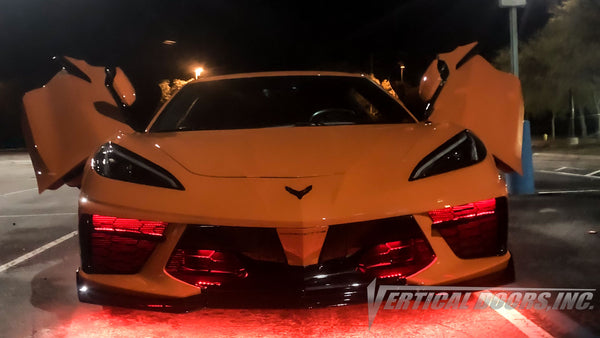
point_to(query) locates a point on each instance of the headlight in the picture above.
(460, 151)
(113, 161)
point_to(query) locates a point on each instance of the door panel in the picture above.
(63, 124)
(480, 98)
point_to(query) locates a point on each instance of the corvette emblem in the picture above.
(299, 193)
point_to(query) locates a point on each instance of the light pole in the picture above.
(198, 71)
(402, 72)
(517, 184)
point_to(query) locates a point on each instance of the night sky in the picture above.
(243, 36)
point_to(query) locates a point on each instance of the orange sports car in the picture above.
(269, 185)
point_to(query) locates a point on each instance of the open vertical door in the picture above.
(475, 95)
(68, 118)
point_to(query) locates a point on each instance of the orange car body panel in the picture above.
(481, 98)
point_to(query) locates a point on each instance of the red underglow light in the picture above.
(393, 275)
(205, 267)
(207, 254)
(206, 283)
(128, 225)
(398, 258)
(473, 230)
(159, 305)
(470, 210)
(386, 248)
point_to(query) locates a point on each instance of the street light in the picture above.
(516, 183)
(198, 71)
(514, 46)
(402, 72)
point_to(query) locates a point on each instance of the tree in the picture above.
(169, 87)
(563, 57)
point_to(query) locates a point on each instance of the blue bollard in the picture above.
(523, 185)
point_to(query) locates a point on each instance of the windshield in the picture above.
(279, 101)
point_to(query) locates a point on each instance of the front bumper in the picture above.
(274, 283)
(344, 293)
(321, 289)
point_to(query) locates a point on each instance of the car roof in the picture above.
(277, 74)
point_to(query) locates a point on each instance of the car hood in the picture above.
(290, 152)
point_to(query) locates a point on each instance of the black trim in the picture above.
(502, 214)
(110, 110)
(143, 176)
(348, 241)
(85, 242)
(444, 72)
(480, 149)
(474, 51)
(93, 293)
(261, 244)
(299, 193)
(492, 246)
(72, 69)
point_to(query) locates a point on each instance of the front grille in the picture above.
(260, 244)
(383, 248)
(117, 246)
(481, 234)
(118, 254)
(240, 258)
(214, 255)
(345, 240)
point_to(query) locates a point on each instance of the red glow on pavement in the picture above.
(347, 321)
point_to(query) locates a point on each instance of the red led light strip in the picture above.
(128, 225)
(393, 275)
(470, 210)
(206, 283)
(159, 305)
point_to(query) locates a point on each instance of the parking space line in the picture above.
(17, 192)
(593, 173)
(563, 168)
(38, 215)
(549, 192)
(20, 161)
(566, 174)
(525, 325)
(37, 251)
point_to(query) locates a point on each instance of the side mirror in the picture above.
(120, 86)
(124, 88)
(431, 82)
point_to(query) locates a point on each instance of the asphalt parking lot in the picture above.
(552, 237)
